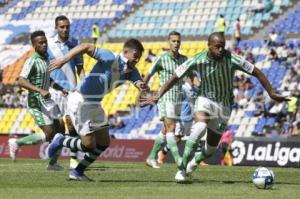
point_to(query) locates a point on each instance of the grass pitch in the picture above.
(29, 179)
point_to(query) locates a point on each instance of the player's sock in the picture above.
(157, 146)
(205, 153)
(198, 130)
(35, 138)
(165, 150)
(172, 144)
(73, 143)
(73, 152)
(53, 159)
(89, 158)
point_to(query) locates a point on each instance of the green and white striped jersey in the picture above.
(216, 75)
(166, 65)
(35, 70)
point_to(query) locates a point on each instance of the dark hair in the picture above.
(215, 34)
(36, 34)
(60, 18)
(174, 33)
(134, 44)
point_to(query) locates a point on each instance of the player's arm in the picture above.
(249, 68)
(25, 83)
(266, 84)
(180, 72)
(80, 49)
(137, 81)
(154, 68)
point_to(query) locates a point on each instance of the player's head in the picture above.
(174, 39)
(62, 27)
(133, 50)
(216, 45)
(39, 41)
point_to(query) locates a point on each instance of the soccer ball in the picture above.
(263, 178)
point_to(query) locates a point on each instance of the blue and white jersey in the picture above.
(109, 72)
(66, 75)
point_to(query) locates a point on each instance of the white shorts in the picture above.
(169, 110)
(218, 114)
(59, 99)
(86, 117)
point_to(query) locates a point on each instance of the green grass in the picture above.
(29, 179)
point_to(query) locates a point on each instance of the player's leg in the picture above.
(41, 120)
(73, 134)
(101, 142)
(58, 127)
(151, 160)
(160, 140)
(211, 145)
(198, 130)
(216, 126)
(179, 133)
(170, 125)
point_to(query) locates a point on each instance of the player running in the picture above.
(216, 67)
(84, 105)
(35, 78)
(60, 44)
(170, 104)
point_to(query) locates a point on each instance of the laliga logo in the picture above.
(238, 151)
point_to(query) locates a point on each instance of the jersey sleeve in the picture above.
(186, 67)
(27, 68)
(135, 76)
(103, 55)
(242, 64)
(156, 66)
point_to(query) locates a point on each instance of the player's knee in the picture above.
(170, 126)
(198, 130)
(89, 147)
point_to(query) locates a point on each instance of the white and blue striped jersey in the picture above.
(109, 72)
(66, 75)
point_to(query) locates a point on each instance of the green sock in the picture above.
(171, 143)
(54, 158)
(199, 157)
(190, 146)
(35, 138)
(157, 146)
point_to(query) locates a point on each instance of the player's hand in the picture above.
(45, 94)
(148, 98)
(57, 63)
(65, 93)
(279, 98)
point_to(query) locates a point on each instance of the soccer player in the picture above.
(60, 44)
(183, 127)
(170, 104)
(216, 67)
(35, 77)
(84, 104)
